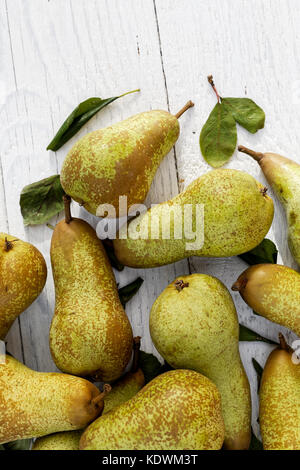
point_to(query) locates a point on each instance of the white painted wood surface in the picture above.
(54, 54)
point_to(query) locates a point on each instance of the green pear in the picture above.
(177, 410)
(34, 404)
(283, 175)
(194, 325)
(272, 291)
(23, 274)
(120, 160)
(90, 334)
(122, 390)
(279, 395)
(237, 216)
(59, 441)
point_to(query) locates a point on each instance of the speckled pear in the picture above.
(177, 410)
(90, 334)
(237, 216)
(122, 390)
(283, 175)
(280, 400)
(120, 160)
(194, 325)
(273, 291)
(34, 404)
(23, 274)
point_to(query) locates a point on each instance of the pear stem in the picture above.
(180, 284)
(102, 395)
(136, 353)
(256, 155)
(283, 344)
(211, 82)
(188, 105)
(67, 204)
(8, 245)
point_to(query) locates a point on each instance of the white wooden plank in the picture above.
(251, 49)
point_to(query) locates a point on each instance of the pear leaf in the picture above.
(259, 370)
(245, 112)
(265, 252)
(127, 292)
(218, 136)
(150, 366)
(22, 444)
(41, 200)
(249, 335)
(80, 116)
(255, 443)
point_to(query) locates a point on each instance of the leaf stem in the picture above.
(256, 155)
(211, 82)
(188, 105)
(129, 92)
(67, 204)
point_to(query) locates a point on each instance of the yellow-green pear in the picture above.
(194, 325)
(122, 390)
(179, 409)
(279, 395)
(90, 334)
(59, 441)
(272, 291)
(23, 274)
(34, 404)
(231, 215)
(120, 160)
(283, 175)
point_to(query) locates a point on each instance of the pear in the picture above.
(120, 160)
(280, 400)
(283, 175)
(59, 441)
(237, 216)
(177, 410)
(90, 334)
(23, 274)
(34, 404)
(194, 325)
(272, 291)
(122, 390)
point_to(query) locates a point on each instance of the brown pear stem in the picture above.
(67, 204)
(188, 105)
(180, 284)
(282, 343)
(102, 395)
(256, 155)
(136, 353)
(8, 245)
(211, 82)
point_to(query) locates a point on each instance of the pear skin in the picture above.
(59, 441)
(194, 325)
(34, 404)
(23, 274)
(273, 291)
(283, 175)
(120, 160)
(279, 395)
(177, 410)
(90, 334)
(237, 216)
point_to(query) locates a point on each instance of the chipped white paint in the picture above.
(56, 53)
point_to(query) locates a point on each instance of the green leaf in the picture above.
(150, 365)
(218, 136)
(41, 200)
(245, 112)
(127, 292)
(109, 248)
(249, 335)
(265, 252)
(259, 370)
(255, 443)
(22, 444)
(80, 116)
